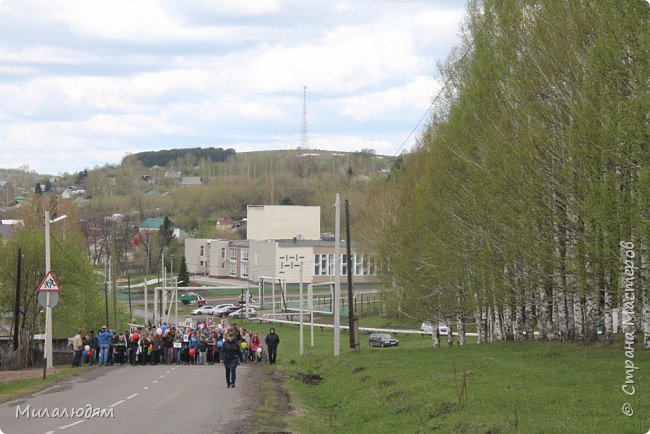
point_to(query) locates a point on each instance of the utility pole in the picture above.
(17, 303)
(106, 299)
(352, 319)
(128, 282)
(113, 286)
(337, 277)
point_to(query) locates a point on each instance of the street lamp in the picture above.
(47, 353)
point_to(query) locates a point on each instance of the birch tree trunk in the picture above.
(529, 320)
(484, 322)
(477, 320)
(507, 322)
(460, 323)
(646, 319)
(543, 317)
(643, 282)
(498, 328)
(559, 312)
(518, 323)
(490, 324)
(435, 337)
(607, 312)
(591, 318)
(560, 321)
(578, 315)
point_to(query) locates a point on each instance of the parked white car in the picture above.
(427, 327)
(245, 312)
(203, 310)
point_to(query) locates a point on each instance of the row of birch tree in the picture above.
(510, 212)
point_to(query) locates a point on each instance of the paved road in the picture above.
(147, 399)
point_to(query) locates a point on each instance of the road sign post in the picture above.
(49, 286)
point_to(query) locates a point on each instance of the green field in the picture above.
(524, 387)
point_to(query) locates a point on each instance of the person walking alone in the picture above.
(230, 357)
(272, 341)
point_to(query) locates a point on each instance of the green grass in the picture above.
(524, 387)
(20, 388)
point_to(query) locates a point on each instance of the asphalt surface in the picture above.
(138, 399)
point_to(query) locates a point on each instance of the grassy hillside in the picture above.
(526, 387)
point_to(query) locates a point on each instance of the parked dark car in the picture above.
(382, 340)
(224, 311)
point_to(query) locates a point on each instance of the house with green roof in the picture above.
(151, 224)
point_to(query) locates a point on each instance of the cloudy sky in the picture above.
(83, 83)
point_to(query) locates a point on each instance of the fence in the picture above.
(11, 360)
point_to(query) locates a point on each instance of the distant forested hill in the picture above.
(163, 157)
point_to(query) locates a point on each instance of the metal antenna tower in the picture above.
(305, 132)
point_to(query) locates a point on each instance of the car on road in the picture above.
(382, 340)
(223, 310)
(193, 298)
(427, 327)
(245, 312)
(203, 310)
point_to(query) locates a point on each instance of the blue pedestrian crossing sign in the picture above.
(49, 283)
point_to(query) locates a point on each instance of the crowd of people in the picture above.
(203, 343)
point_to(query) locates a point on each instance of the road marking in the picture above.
(168, 372)
(132, 396)
(155, 381)
(146, 387)
(162, 376)
(72, 424)
(115, 404)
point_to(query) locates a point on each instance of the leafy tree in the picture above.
(80, 299)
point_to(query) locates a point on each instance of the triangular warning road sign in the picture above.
(49, 283)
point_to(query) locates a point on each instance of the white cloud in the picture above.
(378, 104)
(100, 79)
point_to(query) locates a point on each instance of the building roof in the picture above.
(8, 230)
(225, 221)
(152, 192)
(308, 243)
(152, 223)
(191, 180)
(293, 243)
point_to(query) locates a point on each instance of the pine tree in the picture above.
(183, 274)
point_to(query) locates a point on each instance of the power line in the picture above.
(435, 100)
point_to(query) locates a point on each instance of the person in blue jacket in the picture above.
(104, 337)
(194, 343)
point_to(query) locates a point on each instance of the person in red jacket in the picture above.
(255, 344)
